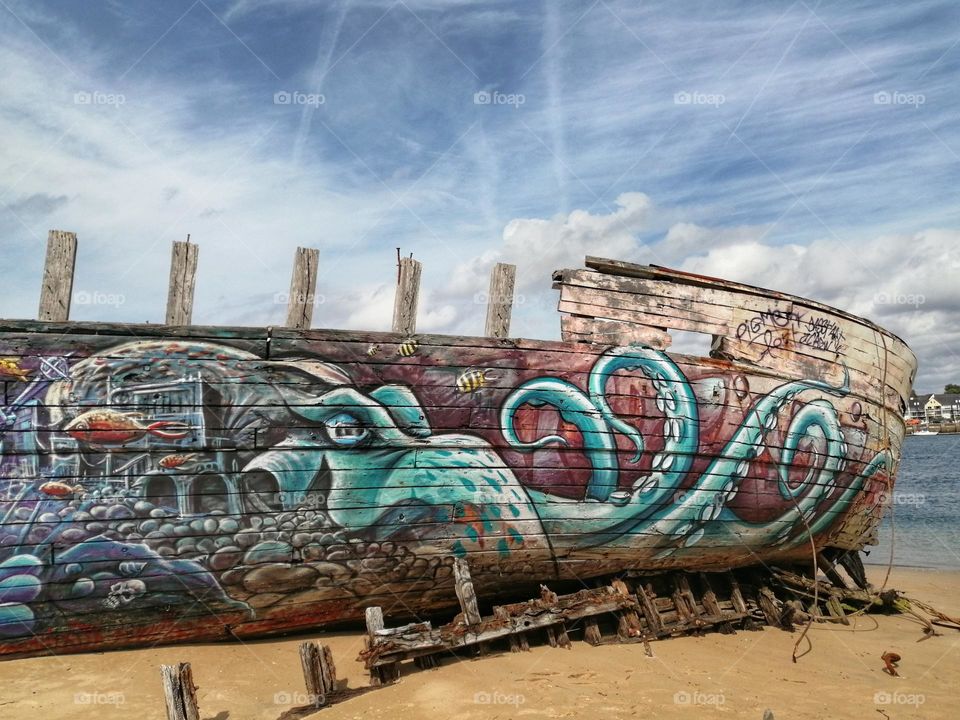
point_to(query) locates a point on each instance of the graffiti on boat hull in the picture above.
(164, 476)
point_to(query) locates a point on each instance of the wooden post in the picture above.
(407, 297)
(648, 607)
(384, 673)
(183, 278)
(58, 269)
(179, 692)
(768, 604)
(591, 631)
(303, 285)
(500, 300)
(465, 592)
(319, 672)
(628, 625)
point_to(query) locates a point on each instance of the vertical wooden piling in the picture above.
(179, 692)
(648, 607)
(628, 625)
(58, 276)
(303, 285)
(591, 631)
(183, 278)
(465, 592)
(382, 674)
(500, 300)
(319, 672)
(407, 297)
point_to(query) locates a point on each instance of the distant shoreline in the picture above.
(920, 568)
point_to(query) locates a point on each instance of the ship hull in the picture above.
(186, 484)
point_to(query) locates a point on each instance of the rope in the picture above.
(885, 446)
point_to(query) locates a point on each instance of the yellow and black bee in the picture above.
(407, 348)
(373, 350)
(472, 380)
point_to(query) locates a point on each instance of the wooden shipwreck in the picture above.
(163, 483)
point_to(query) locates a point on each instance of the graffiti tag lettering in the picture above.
(772, 328)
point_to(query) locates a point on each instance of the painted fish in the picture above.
(59, 489)
(10, 367)
(472, 380)
(177, 460)
(407, 347)
(111, 427)
(373, 350)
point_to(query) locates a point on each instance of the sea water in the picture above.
(924, 516)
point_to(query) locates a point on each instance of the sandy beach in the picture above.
(711, 676)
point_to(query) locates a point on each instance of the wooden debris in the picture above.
(514, 622)
(384, 673)
(179, 692)
(591, 632)
(319, 672)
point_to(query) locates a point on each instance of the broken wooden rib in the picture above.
(390, 646)
(640, 614)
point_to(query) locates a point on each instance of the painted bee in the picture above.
(407, 348)
(472, 380)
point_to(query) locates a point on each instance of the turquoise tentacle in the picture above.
(681, 427)
(881, 461)
(575, 408)
(686, 524)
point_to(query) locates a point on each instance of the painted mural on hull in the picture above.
(156, 481)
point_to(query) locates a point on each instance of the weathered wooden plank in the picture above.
(319, 672)
(465, 592)
(591, 632)
(179, 692)
(407, 297)
(822, 328)
(500, 300)
(574, 328)
(753, 340)
(642, 309)
(514, 621)
(57, 287)
(303, 287)
(183, 278)
(716, 302)
(627, 269)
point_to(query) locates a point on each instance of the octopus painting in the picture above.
(218, 484)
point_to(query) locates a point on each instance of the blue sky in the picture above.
(811, 147)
